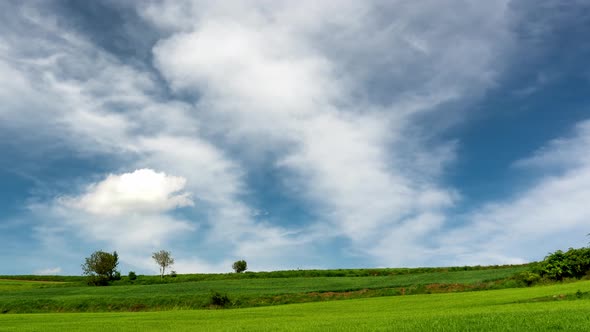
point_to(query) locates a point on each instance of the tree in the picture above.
(164, 259)
(101, 267)
(240, 266)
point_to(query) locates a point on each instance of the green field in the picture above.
(425, 299)
(30, 297)
(521, 309)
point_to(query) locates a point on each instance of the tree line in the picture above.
(101, 267)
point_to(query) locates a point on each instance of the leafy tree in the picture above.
(132, 275)
(101, 267)
(164, 259)
(240, 266)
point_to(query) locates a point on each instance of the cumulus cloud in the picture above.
(126, 211)
(140, 192)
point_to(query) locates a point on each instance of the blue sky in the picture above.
(337, 134)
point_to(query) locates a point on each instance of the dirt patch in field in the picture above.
(446, 288)
(137, 307)
(331, 295)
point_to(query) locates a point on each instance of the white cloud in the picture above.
(337, 96)
(49, 271)
(127, 211)
(140, 192)
(72, 95)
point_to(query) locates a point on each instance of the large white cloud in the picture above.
(333, 89)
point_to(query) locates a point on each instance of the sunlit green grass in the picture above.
(497, 310)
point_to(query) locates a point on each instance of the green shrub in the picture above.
(219, 300)
(528, 278)
(173, 274)
(132, 275)
(574, 263)
(97, 280)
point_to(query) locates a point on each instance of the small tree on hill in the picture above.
(240, 266)
(164, 259)
(101, 267)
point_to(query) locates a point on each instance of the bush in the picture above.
(240, 266)
(528, 278)
(173, 274)
(132, 275)
(97, 280)
(219, 300)
(574, 263)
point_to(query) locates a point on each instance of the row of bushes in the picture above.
(557, 266)
(574, 263)
(146, 280)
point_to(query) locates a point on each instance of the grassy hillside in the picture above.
(73, 297)
(522, 309)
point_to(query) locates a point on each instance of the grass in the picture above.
(72, 297)
(496, 310)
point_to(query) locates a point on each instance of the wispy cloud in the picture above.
(49, 271)
(546, 216)
(355, 155)
(563, 152)
(74, 97)
(344, 101)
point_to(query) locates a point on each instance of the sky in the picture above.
(292, 134)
